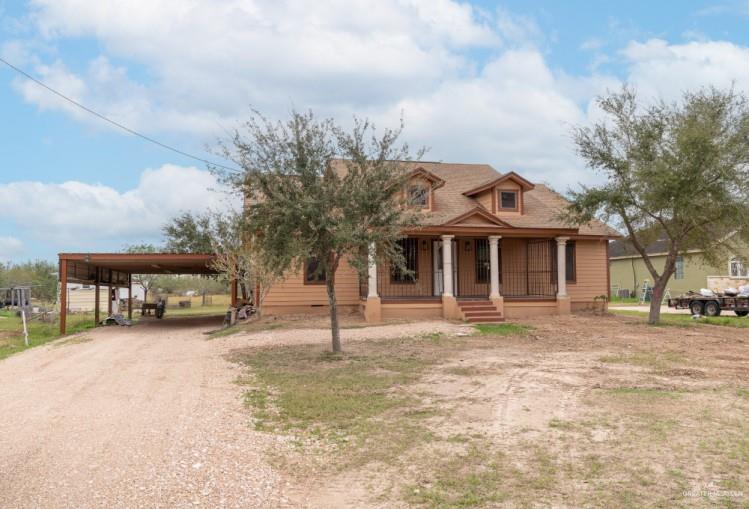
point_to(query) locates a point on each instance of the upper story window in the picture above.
(508, 200)
(738, 269)
(313, 275)
(679, 269)
(418, 195)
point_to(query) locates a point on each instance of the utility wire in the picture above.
(113, 122)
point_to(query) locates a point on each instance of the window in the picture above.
(738, 269)
(571, 263)
(679, 272)
(418, 195)
(508, 200)
(312, 273)
(482, 260)
(410, 250)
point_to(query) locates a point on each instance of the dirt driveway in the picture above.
(143, 417)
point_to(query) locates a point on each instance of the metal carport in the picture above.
(116, 270)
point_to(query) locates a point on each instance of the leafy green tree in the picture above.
(678, 170)
(189, 233)
(316, 191)
(39, 274)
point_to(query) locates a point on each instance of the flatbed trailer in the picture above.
(699, 304)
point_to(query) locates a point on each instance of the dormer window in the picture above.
(508, 200)
(418, 195)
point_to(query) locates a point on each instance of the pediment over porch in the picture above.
(477, 217)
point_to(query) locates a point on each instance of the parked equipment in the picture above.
(709, 303)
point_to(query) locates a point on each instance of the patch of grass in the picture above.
(482, 477)
(502, 329)
(354, 400)
(11, 331)
(218, 309)
(560, 424)
(646, 393)
(742, 393)
(462, 370)
(73, 341)
(674, 320)
(657, 361)
(248, 327)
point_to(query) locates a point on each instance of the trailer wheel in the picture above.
(695, 307)
(741, 312)
(712, 308)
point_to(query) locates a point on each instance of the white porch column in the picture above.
(447, 265)
(372, 282)
(561, 266)
(494, 266)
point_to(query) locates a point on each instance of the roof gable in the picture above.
(523, 183)
(429, 176)
(477, 215)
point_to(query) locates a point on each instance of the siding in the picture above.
(292, 291)
(629, 273)
(590, 256)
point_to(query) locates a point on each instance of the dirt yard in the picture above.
(585, 411)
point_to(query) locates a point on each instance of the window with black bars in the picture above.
(410, 250)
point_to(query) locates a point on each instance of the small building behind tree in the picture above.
(629, 273)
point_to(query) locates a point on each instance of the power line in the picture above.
(113, 122)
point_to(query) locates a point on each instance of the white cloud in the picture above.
(77, 214)
(514, 115)
(211, 60)
(660, 69)
(10, 247)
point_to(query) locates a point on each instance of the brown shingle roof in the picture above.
(541, 205)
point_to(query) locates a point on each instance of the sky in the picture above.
(501, 83)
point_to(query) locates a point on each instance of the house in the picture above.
(628, 270)
(490, 245)
(82, 297)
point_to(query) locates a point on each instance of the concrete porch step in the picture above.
(478, 308)
(481, 312)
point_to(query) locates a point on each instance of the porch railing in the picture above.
(533, 275)
(527, 270)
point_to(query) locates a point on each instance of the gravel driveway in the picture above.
(147, 416)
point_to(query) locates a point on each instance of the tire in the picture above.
(696, 307)
(741, 312)
(712, 308)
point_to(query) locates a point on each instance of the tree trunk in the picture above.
(654, 316)
(334, 329)
(203, 302)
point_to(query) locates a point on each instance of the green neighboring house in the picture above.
(628, 271)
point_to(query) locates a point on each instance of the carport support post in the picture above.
(234, 284)
(109, 300)
(129, 296)
(63, 294)
(97, 299)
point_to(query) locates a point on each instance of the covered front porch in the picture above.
(447, 269)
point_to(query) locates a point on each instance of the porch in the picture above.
(446, 271)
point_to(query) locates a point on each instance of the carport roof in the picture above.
(145, 263)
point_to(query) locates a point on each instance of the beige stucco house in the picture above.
(490, 246)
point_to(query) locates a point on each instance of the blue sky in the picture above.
(494, 82)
